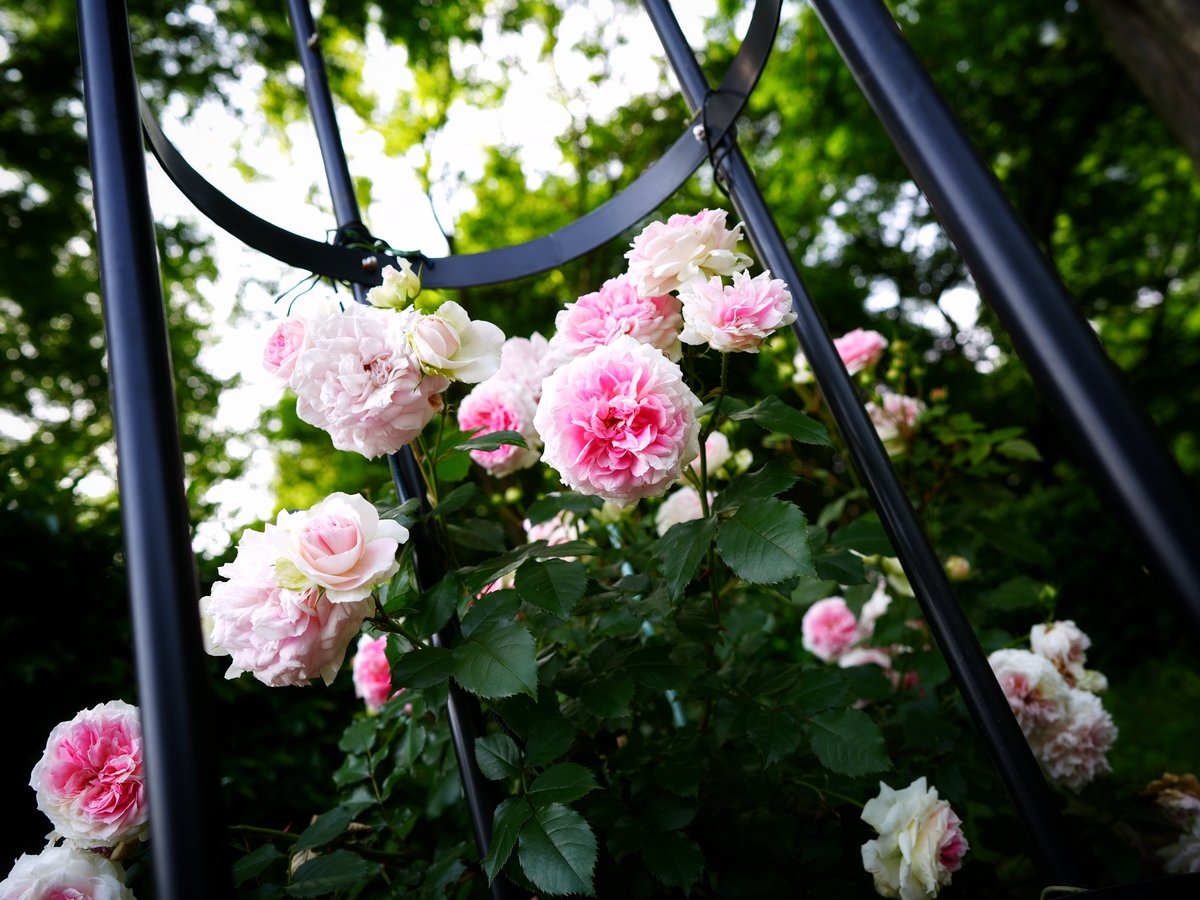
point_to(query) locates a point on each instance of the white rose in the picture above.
(65, 871)
(920, 843)
(400, 286)
(448, 343)
(1064, 644)
(1183, 856)
(1036, 692)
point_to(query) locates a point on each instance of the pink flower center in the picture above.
(329, 535)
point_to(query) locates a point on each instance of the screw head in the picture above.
(370, 263)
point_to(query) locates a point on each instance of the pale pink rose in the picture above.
(525, 362)
(65, 873)
(894, 418)
(803, 373)
(873, 610)
(372, 672)
(666, 256)
(340, 545)
(1064, 644)
(447, 342)
(737, 317)
(558, 529)
(1036, 692)
(866, 656)
(1177, 797)
(360, 381)
(90, 781)
(716, 453)
(618, 423)
(1183, 856)
(920, 843)
(500, 405)
(597, 319)
(1073, 751)
(281, 636)
(860, 349)
(286, 343)
(681, 506)
(829, 628)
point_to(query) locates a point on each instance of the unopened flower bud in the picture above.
(400, 285)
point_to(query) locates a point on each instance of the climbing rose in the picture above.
(448, 343)
(829, 628)
(340, 545)
(860, 349)
(525, 362)
(400, 285)
(1073, 751)
(1036, 693)
(618, 423)
(65, 873)
(737, 317)
(681, 506)
(666, 256)
(89, 781)
(716, 454)
(372, 673)
(894, 417)
(286, 343)
(920, 843)
(1064, 644)
(360, 381)
(280, 635)
(597, 319)
(500, 405)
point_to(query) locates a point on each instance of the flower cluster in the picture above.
(832, 633)
(920, 844)
(298, 592)
(372, 376)
(1051, 694)
(90, 783)
(1178, 798)
(894, 418)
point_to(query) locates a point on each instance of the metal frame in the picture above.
(1063, 355)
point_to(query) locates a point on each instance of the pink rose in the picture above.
(1072, 752)
(920, 843)
(525, 362)
(597, 319)
(681, 506)
(860, 349)
(499, 405)
(829, 628)
(738, 317)
(558, 529)
(666, 256)
(716, 454)
(360, 381)
(285, 344)
(894, 418)
(1035, 690)
(340, 545)
(372, 672)
(65, 873)
(280, 635)
(618, 423)
(89, 781)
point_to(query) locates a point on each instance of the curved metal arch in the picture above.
(595, 228)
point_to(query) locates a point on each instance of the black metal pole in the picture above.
(1116, 441)
(980, 691)
(187, 845)
(462, 709)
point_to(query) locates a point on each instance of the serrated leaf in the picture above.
(848, 742)
(328, 826)
(766, 542)
(435, 607)
(255, 863)
(558, 851)
(841, 566)
(457, 499)
(405, 513)
(497, 605)
(561, 784)
(329, 872)
(680, 550)
(498, 756)
(817, 690)
(497, 660)
(453, 467)
(478, 534)
(493, 440)
(775, 415)
(773, 732)
(354, 768)
(554, 585)
(359, 737)
(773, 478)
(423, 668)
(865, 535)
(548, 507)
(548, 739)
(652, 667)
(1021, 592)
(608, 697)
(510, 815)
(674, 859)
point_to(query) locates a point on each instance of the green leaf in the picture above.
(561, 784)
(809, 591)
(493, 440)
(848, 742)
(674, 859)
(329, 872)
(498, 757)
(773, 732)
(457, 499)
(255, 863)
(423, 668)
(510, 815)
(775, 415)
(453, 468)
(865, 535)
(547, 507)
(841, 566)
(608, 697)
(405, 513)
(548, 739)
(680, 550)
(354, 768)
(555, 585)
(817, 690)
(652, 667)
(765, 542)
(558, 851)
(328, 826)
(1019, 449)
(497, 660)
(436, 606)
(478, 534)
(359, 737)
(1018, 593)
(773, 478)
(498, 605)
